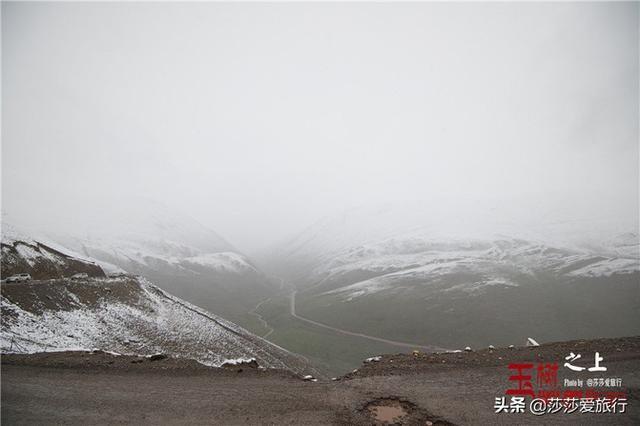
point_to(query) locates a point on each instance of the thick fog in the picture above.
(259, 119)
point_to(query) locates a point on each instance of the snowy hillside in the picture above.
(395, 237)
(501, 262)
(125, 315)
(138, 235)
(169, 257)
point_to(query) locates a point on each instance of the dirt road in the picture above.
(292, 304)
(81, 388)
(33, 395)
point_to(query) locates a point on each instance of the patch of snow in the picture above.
(237, 361)
(608, 267)
(28, 253)
(479, 285)
(224, 261)
(109, 268)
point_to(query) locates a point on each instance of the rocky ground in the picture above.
(454, 388)
(619, 349)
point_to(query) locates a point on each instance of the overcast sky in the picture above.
(258, 119)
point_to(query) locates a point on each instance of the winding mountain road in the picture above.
(261, 319)
(292, 304)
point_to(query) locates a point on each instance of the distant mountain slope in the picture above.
(140, 235)
(455, 279)
(427, 239)
(414, 226)
(497, 262)
(148, 226)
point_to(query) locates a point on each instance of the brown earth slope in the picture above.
(43, 262)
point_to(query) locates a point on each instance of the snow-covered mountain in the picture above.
(494, 262)
(392, 237)
(22, 254)
(126, 315)
(146, 235)
(445, 276)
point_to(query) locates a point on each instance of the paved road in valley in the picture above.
(292, 304)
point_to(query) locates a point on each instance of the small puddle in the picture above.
(387, 410)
